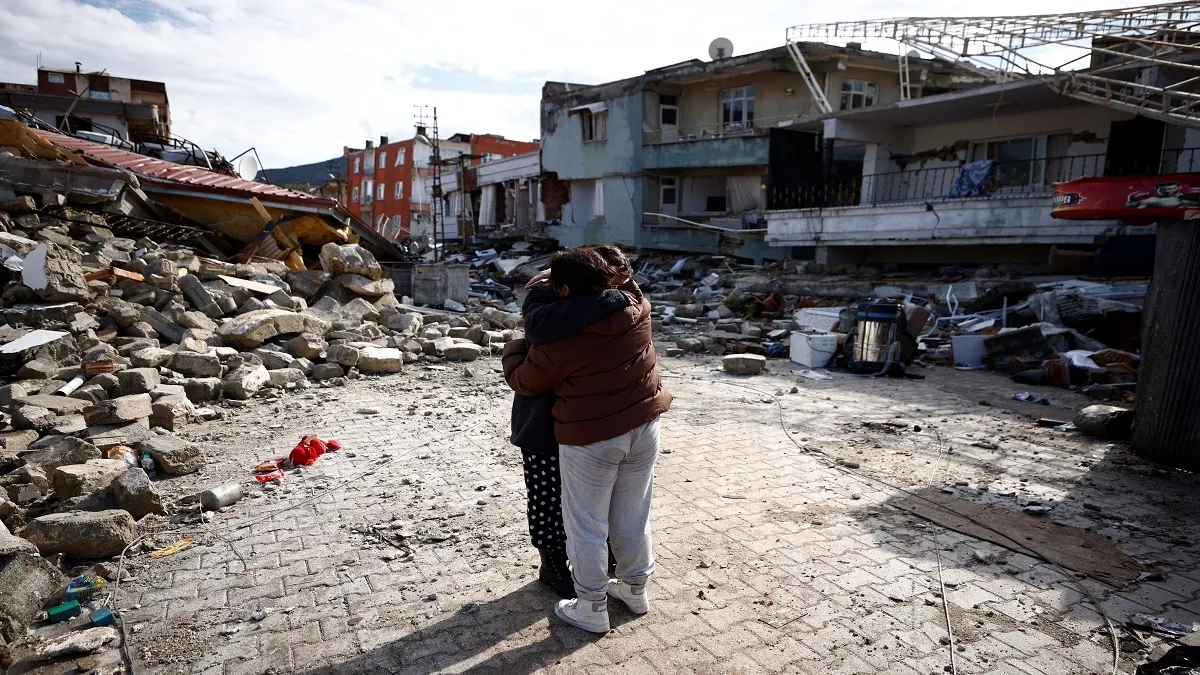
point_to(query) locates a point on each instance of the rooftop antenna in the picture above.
(721, 48)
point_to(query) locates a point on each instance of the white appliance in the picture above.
(813, 350)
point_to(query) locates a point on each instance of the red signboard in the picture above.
(1137, 200)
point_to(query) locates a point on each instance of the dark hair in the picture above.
(581, 270)
(615, 258)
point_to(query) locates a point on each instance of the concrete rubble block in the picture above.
(302, 364)
(76, 480)
(459, 332)
(252, 329)
(307, 346)
(58, 316)
(744, 364)
(195, 364)
(306, 283)
(432, 333)
(28, 583)
(282, 299)
(360, 310)
(55, 273)
(118, 410)
(60, 405)
(166, 328)
(38, 369)
(409, 324)
(136, 494)
(478, 335)
(280, 379)
(273, 360)
(35, 417)
(77, 643)
(360, 285)
(202, 389)
(342, 354)
(141, 329)
(82, 535)
(199, 296)
(105, 436)
(18, 205)
(1104, 421)
(690, 345)
(172, 412)
(380, 360)
(327, 371)
(245, 381)
(52, 452)
(196, 321)
(137, 381)
(17, 440)
(53, 348)
(438, 347)
(349, 259)
(501, 319)
(462, 351)
(68, 425)
(150, 357)
(172, 455)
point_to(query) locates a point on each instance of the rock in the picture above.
(172, 412)
(28, 582)
(273, 360)
(380, 360)
(196, 365)
(150, 357)
(690, 345)
(307, 346)
(29, 416)
(1104, 421)
(168, 329)
(11, 391)
(280, 298)
(172, 455)
(306, 283)
(245, 381)
(199, 296)
(77, 480)
(752, 332)
(463, 352)
(327, 371)
(744, 364)
(349, 259)
(82, 534)
(137, 381)
(196, 321)
(439, 346)
(202, 389)
(675, 352)
(360, 285)
(342, 354)
(252, 329)
(105, 436)
(17, 440)
(55, 273)
(141, 329)
(281, 378)
(38, 369)
(124, 313)
(359, 310)
(78, 642)
(52, 452)
(118, 410)
(136, 494)
(409, 324)
(501, 319)
(59, 405)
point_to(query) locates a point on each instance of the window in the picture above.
(379, 190)
(1021, 162)
(399, 194)
(858, 94)
(382, 159)
(668, 188)
(595, 125)
(714, 204)
(737, 108)
(396, 222)
(369, 162)
(367, 191)
(492, 156)
(598, 205)
(668, 111)
(55, 78)
(400, 156)
(358, 165)
(100, 95)
(354, 194)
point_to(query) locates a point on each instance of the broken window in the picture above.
(357, 164)
(379, 190)
(1019, 161)
(354, 194)
(399, 194)
(400, 156)
(396, 222)
(668, 187)
(737, 108)
(74, 123)
(367, 191)
(382, 159)
(595, 125)
(858, 94)
(55, 78)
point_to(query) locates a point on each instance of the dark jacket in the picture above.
(549, 318)
(605, 376)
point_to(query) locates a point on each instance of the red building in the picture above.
(389, 186)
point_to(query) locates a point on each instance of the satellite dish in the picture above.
(914, 54)
(721, 48)
(247, 167)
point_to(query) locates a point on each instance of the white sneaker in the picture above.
(634, 597)
(590, 615)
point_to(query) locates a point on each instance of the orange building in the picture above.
(389, 186)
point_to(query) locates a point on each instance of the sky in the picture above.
(300, 79)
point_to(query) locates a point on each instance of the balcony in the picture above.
(700, 147)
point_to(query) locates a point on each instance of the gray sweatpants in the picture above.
(606, 492)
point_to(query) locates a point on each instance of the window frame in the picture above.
(354, 194)
(727, 108)
(381, 161)
(869, 98)
(400, 156)
(61, 78)
(595, 126)
(398, 190)
(380, 191)
(357, 165)
(664, 186)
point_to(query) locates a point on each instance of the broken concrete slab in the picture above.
(57, 316)
(245, 381)
(136, 494)
(378, 360)
(52, 452)
(79, 642)
(172, 412)
(17, 440)
(342, 354)
(202, 389)
(306, 283)
(274, 360)
(360, 285)
(77, 480)
(307, 346)
(252, 329)
(49, 347)
(150, 357)
(439, 346)
(28, 582)
(744, 364)
(82, 534)
(349, 259)
(462, 351)
(172, 455)
(195, 364)
(327, 371)
(501, 319)
(55, 273)
(199, 296)
(118, 410)
(60, 405)
(283, 377)
(29, 416)
(137, 381)
(166, 328)
(105, 436)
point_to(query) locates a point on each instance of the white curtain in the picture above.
(487, 206)
(745, 194)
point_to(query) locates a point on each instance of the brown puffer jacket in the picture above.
(605, 376)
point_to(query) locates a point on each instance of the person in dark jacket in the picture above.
(549, 318)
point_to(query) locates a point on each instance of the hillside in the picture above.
(307, 174)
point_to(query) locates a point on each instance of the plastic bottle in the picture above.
(147, 463)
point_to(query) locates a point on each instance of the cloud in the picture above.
(300, 79)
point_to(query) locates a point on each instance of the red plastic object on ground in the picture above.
(307, 451)
(332, 445)
(1136, 200)
(265, 478)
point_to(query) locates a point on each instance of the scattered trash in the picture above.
(307, 451)
(1030, 397)
(103, 617)
(82, 588)
(1181, 660)
(221, 496)
(269, 476)
(1160, 625)
(173, 548)
(67, 610)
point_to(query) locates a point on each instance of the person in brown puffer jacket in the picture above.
(609, 398)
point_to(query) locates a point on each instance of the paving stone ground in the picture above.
(407, 551)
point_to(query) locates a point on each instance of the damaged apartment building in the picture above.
(691, 156)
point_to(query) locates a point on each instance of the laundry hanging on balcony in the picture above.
(974, 179)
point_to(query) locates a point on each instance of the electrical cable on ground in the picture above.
(868, 480)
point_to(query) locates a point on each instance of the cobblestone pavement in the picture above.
(407, 551)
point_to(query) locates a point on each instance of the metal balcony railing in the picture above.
(713, 131)
(973, 180)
